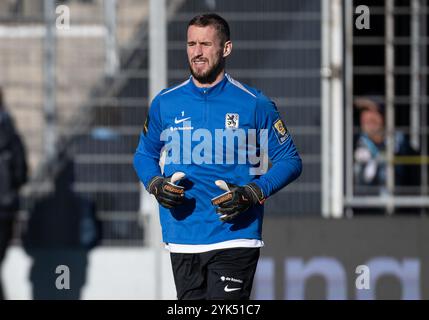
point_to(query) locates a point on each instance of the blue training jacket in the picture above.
(193, 124)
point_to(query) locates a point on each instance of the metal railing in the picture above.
(405, 101)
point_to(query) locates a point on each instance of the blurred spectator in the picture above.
(370, 151)
(61, 230)
(13, 174)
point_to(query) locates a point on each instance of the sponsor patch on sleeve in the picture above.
(280, 130)
(146, 125)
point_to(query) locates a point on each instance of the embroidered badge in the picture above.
(231, 120)
(280, 130)
(146, 125)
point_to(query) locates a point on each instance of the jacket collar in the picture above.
(208, 91)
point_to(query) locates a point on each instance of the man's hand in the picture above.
(166, 192)
(236, 199)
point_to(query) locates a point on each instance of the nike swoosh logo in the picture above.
(181, 120)
(231, 289)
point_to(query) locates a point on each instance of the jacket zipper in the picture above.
(205, 108)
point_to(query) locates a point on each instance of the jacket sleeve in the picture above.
(286, 162)
(147, 155)
(19, 164)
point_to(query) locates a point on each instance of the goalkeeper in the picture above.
(211, 209)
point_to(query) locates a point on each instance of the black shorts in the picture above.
(219, 274)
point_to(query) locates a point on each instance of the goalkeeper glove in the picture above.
(166, 192)
(236, 199)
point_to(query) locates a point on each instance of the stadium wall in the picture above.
(302, 259)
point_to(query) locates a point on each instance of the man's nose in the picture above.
(198, 50)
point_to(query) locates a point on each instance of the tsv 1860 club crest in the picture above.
(231, 121)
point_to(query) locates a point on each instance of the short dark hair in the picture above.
(215, 20)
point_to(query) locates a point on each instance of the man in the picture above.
(370, 150)
(212, 189)
(13, 174)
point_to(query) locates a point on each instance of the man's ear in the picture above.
(227, 48)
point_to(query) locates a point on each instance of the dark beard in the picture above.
(211, 75)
